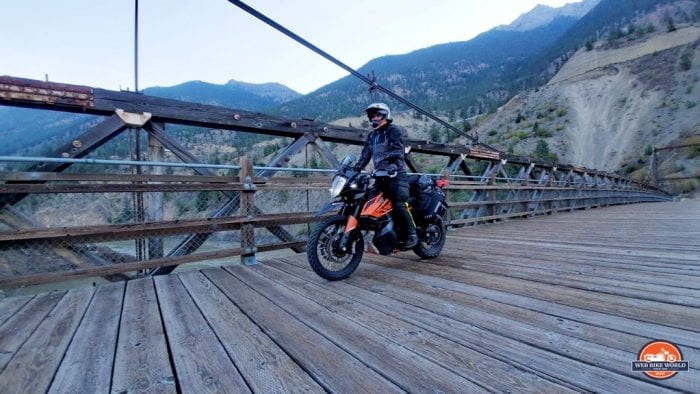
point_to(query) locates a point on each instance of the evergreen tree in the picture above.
(670, 25)
(202, 201)
(466, 126)
(451, 116)
(314, 163)
(686, 59)
(434, 133)
(519, 118)
(542, 150)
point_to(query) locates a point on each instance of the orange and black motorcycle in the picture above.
(336, 245)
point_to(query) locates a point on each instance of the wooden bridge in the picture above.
(501, 310)
(561, 302)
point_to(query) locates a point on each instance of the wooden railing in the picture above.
(33, 252)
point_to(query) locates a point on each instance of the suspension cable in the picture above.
(372, 83)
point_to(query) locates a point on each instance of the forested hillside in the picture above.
(466, 78)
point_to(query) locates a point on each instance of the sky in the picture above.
(91, 42)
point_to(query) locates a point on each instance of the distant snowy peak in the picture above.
(542, 15)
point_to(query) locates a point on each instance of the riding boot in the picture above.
(406, 222)
(411, 240)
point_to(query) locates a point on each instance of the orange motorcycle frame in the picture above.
(375, 208)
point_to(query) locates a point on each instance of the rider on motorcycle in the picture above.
(385, 146)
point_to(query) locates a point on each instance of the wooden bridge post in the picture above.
(491, 193)
(654, 168)
(154, 207)
(557, 194)
(447, 175)
(571, 186)
(525, 176)
(248, 210)
(589, 201)
(549, 193)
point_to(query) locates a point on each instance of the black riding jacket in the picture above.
(384, 146)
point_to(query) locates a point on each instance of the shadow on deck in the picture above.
(551, 304)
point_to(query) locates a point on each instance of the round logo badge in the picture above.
(660, 354)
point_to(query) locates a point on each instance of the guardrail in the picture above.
(120, 226)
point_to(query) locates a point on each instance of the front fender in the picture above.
(330, 207)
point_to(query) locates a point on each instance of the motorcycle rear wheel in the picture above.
(324, 255)
(431, 250)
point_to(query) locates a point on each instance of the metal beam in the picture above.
(22, 92)
(411, 164)
(326, 153)
(286, 154)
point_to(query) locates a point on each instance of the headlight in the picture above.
(337, 186)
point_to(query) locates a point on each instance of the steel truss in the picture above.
(534, 188)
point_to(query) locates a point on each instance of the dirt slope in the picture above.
(586, 61)
(605, 109)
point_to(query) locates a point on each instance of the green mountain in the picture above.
(234, 94)
(470, 76)
(32, 131)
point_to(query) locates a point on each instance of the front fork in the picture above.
(349, 227)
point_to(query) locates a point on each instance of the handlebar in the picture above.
(384, 174)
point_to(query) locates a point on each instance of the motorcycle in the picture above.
(336, 244)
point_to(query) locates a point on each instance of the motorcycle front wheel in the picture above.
(324, 254)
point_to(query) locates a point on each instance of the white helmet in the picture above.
(379, 108)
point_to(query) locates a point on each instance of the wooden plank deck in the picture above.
(561, 303)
